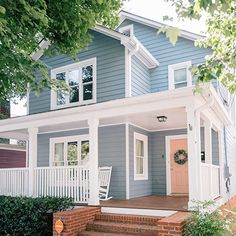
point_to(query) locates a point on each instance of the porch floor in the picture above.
(154, 202)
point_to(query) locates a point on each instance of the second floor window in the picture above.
(81, 77)
(179, 75)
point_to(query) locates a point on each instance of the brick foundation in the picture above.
(172, 225)
(75, 220)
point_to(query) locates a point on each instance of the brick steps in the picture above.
(122, 228)
(117, 224)
(94, 233)
(133, 219)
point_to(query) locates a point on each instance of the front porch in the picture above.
(154, 202)
(110, 129)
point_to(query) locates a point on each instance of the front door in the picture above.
(178, 171)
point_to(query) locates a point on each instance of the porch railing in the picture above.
(71, 181)
(14, 182)
(63, 181)
(210, 177)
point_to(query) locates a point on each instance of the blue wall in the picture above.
(167, 54)
(139, 188)
(111, 152)
(110, 71)
(140, 77)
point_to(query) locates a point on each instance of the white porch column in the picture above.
(208, 151)
(93, 153)
(194, 154)
(32, 157)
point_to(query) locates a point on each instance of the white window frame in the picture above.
(171, 69)
(128, 27)
(66, 139)
(92, 61)
(143, 138)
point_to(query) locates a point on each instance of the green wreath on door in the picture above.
(177, 156)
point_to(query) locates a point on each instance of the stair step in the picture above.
(132, 219)
(94, 233)
(122, 228)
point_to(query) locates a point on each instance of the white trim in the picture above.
(144, 139)
(134, 211)
(127, 27)
(134, 105)
(12, 147)
(127, 160)
(65, 139)
(44, 44)
(154, 24)
(77, 65)
(171, 69)
(132, 44)
(168, 173)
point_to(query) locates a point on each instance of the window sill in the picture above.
(140, 177)
(76, 104)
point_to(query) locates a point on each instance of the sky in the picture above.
(152, 9)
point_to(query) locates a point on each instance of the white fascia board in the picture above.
(154, 24)
(38, 53)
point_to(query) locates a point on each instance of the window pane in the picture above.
(74, 84)
(61, 100)
(61, 76)
(180, 85)
(72, 153)
(87, 74)
(84, 150)
(139, 165)
(139, 148)
(74, 95)
(59, 154)
(180, 75)
(88, 92)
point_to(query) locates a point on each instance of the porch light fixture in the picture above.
(162, 118)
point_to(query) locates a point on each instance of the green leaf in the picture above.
(173, 33)
(2, 10)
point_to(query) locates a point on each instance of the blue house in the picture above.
(133, 108)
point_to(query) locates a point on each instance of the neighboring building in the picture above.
(12, 156)
(4, 114)
(132, 108)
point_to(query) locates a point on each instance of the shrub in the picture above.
(29, 216)
(207, 222)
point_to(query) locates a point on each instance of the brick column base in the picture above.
(75, 220)
(172, 225)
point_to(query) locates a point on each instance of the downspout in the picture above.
(227, 175)
(130, 53)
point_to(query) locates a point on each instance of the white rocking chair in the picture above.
(104, 177)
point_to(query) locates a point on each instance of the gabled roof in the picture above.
(131, 43)
(155, 24)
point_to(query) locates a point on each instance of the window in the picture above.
(127, 30)
(81, 77)
(69, 151)
(179, 75)
(140, 157)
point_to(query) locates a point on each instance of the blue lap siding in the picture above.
(110, 56)
(111, 152)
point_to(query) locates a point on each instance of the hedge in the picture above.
(23, 216)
